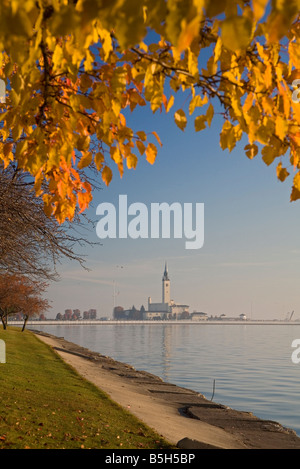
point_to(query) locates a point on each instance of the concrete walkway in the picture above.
(182, 416)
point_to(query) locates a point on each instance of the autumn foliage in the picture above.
(31, 243)
(75, 69)
(19, 294)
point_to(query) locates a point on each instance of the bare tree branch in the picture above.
(31, 243)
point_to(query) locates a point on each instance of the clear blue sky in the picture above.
(250, 261)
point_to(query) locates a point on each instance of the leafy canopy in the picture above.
(19, 294)
(31, 243)
(73, 70)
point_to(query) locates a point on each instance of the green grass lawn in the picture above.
(44, 404)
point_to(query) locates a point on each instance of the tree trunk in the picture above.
(3, 321)
(25, 321)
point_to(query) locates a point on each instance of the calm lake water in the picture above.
(251, 364)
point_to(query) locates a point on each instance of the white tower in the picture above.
(166, 286)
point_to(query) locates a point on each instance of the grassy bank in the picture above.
(45, 404)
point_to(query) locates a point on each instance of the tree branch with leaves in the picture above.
(76, 69)
(31, 242)
(19, 294)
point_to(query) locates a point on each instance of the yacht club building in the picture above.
(167, 309)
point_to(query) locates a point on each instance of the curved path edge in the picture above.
(182, 416)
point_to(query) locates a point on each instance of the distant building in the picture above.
(167, 309)
(118, 312)
(199, 316)
(92, 313)
(153, 315)
(241, 317)
(68, 315)
(133, 313)
(163, 307)
(76, 315)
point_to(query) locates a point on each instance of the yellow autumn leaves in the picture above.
(77, 69)
(199, 122)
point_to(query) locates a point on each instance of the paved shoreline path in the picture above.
(182, 416)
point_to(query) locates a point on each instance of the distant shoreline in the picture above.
(112, 322)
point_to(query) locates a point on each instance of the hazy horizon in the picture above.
(250, 259)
